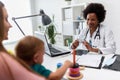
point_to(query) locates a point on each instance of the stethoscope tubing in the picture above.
(97, 33)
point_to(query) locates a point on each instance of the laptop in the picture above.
(50, 49)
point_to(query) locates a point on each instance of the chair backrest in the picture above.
(11, 69)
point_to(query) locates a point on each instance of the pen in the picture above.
(114, 56)
(102, 59)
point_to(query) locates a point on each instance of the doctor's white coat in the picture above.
(105, 43)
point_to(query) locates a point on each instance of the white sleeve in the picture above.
(110, 46)
(82, 35)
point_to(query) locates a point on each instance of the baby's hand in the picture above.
(68, 63)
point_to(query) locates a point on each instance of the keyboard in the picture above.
(54, 50)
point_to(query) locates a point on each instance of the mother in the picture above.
(12, 68)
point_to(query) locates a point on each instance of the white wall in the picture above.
(50, 7)
(112, 16)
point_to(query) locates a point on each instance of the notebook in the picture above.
(50, 49)
(90, 60)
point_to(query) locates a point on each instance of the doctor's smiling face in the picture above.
(94, 14)
(92, 20)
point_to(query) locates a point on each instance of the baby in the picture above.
(31, 50)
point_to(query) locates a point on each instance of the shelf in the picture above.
(75, 5)
(72, 21)
(82, 20)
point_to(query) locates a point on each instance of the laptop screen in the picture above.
(42, 36)
(50, 49)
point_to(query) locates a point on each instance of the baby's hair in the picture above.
(27, 48)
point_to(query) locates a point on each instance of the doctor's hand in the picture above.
(87, 45)
(75, 44)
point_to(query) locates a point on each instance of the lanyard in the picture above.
(90, 42)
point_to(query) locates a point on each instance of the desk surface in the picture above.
(88, 73)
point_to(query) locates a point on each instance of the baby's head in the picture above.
(30, 49)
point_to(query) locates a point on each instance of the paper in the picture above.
(89, 60)
(110, 61)
(107, 58)
(113, 63)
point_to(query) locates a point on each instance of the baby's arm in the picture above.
(59, 73)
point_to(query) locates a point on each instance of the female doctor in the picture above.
(95, 37)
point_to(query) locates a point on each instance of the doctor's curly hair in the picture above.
(96, 8)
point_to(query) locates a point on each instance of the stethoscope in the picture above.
(97, 36)
(97, 33)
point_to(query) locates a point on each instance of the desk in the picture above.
(88, 73)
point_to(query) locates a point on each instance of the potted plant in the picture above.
(51, 31)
